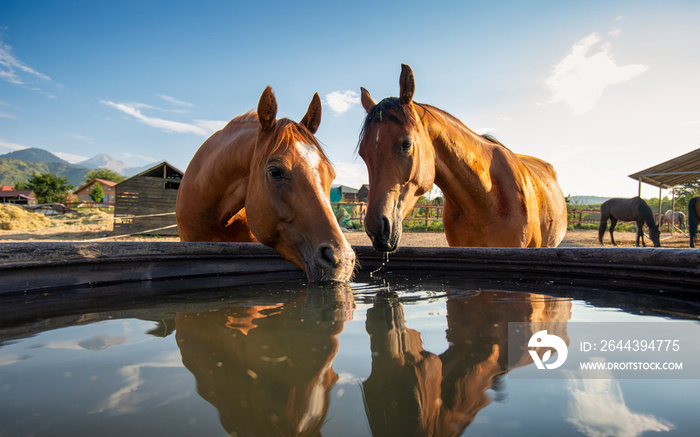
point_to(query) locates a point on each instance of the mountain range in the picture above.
(20, 164)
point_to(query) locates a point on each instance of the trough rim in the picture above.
(25, 267)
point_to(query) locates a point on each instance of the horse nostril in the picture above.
(386, 228)
(327, 255)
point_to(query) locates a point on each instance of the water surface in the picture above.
(408, 357)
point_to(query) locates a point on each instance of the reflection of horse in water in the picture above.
(675, 218)
(268, 368)
(628, 210)
(693, 218)
(413, 392)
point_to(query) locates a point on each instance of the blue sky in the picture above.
(599, 89)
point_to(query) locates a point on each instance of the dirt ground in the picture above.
(103, 232)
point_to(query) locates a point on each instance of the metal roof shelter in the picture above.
(669, 174)
(674, 172)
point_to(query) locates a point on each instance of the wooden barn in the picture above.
(343, 193)
(21, 197)
(145, 203)
(363, 193)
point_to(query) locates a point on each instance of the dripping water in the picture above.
(385, 261)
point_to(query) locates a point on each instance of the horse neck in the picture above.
(462, 157)
(648, 217)
(229, 161)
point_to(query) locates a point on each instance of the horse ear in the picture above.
(312, 119)
(267, 109)
(366, 99)
(407, 84)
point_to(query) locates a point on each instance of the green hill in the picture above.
(34, 154)
(13, 170)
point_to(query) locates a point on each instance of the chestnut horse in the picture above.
(493, 197)
(267, 180)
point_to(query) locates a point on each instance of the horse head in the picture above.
(400, 160)
(655, 235)
(287, 201)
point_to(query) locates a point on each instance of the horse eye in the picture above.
(274, 172)
(406, 145)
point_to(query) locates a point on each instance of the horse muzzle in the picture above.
(331, 263)
(384, 233)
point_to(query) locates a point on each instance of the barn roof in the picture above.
(344, 189)
(104, 182)
(163, 170)
(24, 194)
(674, 172)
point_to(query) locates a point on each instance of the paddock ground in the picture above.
(84, 232)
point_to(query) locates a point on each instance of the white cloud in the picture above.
(350, 174)
(8, 116)
(15, 71)
(12, 146)
(580, 78)
(73, 159)
(174, 101)
(82, 138)
(341, 102)
(139, 157)
(199, 127)
(211, 125)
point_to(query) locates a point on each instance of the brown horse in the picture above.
(628, 210)
(267, 179)
(493, 197)
(693, 219)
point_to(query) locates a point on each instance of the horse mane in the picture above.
(646, 213)
(384, 109)
(693, 219)
(249, 117)
(287, 132)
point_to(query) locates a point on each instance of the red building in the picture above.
(83, 193)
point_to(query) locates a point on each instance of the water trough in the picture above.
(39, 267)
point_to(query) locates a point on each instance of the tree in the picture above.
(97, 193)
(49, 188)
(103, 173)
(21, 185)
(686, 192)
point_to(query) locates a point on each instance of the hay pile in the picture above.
(84, 217)
(14, 217)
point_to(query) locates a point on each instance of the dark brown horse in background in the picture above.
(493, 197)
(267, 180)
(693, 219)
(628, 210)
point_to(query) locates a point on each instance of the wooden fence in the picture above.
(434, 213)
(425, 214)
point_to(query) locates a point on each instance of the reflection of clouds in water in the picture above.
(7, 359)
(96, 344)
(597, 408)
(348, 378)
(127, 399)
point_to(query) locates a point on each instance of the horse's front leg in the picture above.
(613, 223)
(640, 234)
